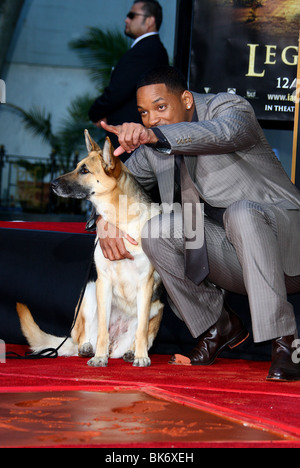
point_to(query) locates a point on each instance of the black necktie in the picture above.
(195, 253)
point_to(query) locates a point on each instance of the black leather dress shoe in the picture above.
(285, 360)
(228, 331)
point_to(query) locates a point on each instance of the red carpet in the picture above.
(78, 228)
(63, 402)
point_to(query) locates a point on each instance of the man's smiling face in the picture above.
(158, 105)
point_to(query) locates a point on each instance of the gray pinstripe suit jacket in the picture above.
(229, 159)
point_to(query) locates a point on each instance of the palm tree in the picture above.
(100, 51)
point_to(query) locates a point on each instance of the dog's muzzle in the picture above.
(63, 188)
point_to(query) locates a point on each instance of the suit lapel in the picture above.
(165, 173)
(190, 162)
(165, 178)
(201, 101)
(201, 109)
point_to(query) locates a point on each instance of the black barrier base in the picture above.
(47, 270)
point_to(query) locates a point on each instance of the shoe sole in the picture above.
(238, 339)
(281, 379)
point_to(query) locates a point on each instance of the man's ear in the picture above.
(91, 145)
(187, 99)
(151, 23)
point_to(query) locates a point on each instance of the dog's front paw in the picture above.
(98, 361)
(141, 362)
(129, 356)
(86, 350)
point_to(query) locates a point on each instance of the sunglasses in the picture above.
(131, 15)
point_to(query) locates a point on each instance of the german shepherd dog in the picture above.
(120, 313)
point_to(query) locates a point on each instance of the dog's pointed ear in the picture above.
(108, 155)
(91, 145)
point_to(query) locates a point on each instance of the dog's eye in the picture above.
(83, 170)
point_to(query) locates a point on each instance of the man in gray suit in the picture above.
(252, 217)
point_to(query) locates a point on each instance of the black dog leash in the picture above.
(53, 352)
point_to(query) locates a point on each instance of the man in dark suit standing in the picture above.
(118, 104)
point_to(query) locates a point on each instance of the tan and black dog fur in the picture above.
(121, 312)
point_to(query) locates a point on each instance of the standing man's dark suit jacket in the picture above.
(118, 101)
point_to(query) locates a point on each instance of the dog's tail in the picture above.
(39, 340)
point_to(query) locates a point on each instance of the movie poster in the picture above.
(247, 47)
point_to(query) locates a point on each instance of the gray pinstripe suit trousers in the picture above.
(244, 258)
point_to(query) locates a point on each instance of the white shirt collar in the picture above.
(143, 37)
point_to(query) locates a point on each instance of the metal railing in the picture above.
(25, 184)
